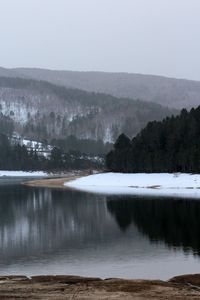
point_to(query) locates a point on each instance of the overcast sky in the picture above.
(139, 36)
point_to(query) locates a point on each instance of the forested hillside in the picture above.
(175, 93)
(14, 156)
(43, 111)
(172, 145)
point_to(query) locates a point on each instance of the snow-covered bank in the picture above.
(162, 184)
(22, 174)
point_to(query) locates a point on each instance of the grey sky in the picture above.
(140, 36)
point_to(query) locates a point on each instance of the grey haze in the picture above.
(137, 36)
(174, 93)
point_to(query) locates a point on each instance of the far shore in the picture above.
(75, 287)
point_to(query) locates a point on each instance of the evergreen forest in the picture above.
(171, 145)
(17, 157)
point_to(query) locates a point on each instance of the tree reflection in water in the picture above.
(39, 221)
(174, 221)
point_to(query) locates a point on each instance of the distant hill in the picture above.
(174, 93)
(43, 111)
(172, 145)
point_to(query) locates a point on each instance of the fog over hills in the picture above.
(41, 110)
(174, 93)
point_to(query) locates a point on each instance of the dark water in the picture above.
(47, 231)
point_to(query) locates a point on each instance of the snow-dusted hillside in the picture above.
(44, 111)
(176, 93)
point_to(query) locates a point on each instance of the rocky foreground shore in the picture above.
(73, 287)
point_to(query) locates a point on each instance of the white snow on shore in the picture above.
(160, 184)
(22, 174)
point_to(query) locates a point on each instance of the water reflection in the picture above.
(174, 221)
(35, 220)
(59, 231)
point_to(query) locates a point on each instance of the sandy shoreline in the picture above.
(164, 184)
(55, 182)
(74, 287)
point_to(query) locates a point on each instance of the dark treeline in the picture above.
(6, 125)
(87, 146)
(172, 145)
(62, 157)
(17, 157)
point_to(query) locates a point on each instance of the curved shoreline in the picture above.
(75, 287)
(57, 182)
(178, 185)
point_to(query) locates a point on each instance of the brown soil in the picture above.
(73, 287)
(56, 182)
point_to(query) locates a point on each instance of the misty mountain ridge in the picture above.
(174, 93)
(41, 110)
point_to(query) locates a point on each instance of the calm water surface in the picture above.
(49, 231)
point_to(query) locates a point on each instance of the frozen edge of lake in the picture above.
(15, 174)
(140, 184)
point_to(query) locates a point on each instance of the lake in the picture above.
(52, 231)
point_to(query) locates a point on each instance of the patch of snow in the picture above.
(155, 184)
(108, 135)
(22, 174)
(36, 145)
(18, 109)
